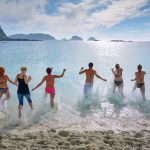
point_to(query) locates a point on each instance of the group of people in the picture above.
(22, 81)
(118, 79)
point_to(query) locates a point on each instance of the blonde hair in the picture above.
(23, 68)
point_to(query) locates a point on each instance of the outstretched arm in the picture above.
(43, 80)
(60, 76)
(82, 71)
(11, 81)
(134, 78)
(98, 76)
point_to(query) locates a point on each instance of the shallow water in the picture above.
(103, 109)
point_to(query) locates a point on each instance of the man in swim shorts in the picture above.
(139, 78)
(50, 81)
(90, 73)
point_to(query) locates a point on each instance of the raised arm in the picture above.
(98, 76)
(11, 81)
(82, 71)
(113, 71)
(43, 80)
(16, 81)
(27, 79)
(60, 76)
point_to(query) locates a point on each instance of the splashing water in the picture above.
(102, 110)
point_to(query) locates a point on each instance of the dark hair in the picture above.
(90, 65)
(2, 71)
(117, 66)
(139, 67)
(49, 70)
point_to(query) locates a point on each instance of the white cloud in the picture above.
(147, 23)
(83, 18)
(117, 12)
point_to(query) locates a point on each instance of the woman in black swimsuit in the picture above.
(118, 80)
(4, 87)
(23, 89)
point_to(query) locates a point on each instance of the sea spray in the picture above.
(140, 105)
(117, 100)
(86, 104)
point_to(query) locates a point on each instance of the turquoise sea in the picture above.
(104, 109)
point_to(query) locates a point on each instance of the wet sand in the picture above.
(76, 140)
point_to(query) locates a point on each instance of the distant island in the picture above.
(119, 41)
(92, 39)
(76, 38)
(3, 36)
(33, 36)
(43, 37)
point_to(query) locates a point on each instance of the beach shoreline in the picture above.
(75, 140)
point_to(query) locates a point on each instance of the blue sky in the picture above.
(103, 19)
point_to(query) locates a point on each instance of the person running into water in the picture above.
(90, 73)
(23, 89)
(4, 87)
(50, 82)
(139, 78)
(118, 80)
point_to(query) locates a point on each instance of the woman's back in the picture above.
(50, 80)
(3, 81)
(22, 86)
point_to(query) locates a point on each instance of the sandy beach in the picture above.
(76, 140)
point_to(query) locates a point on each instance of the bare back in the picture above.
(3, 81)
(90, 75)
(140, 76)
(50, 80)
(118, 74)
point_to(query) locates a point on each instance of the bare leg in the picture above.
(7, 96)
(1, 94)
(114, 88)
(121, 90)
(134, 88)
(52, 96)
(143, 91)
(31, 106)
(20, 108)
(4, 99)
(1, 106)
(45, 95)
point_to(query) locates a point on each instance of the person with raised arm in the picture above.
(4, 90)
(50, 84)
(23, 89)
(90, 73)
(139, 79)
(118, 79)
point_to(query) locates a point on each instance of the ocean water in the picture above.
(104, 109)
